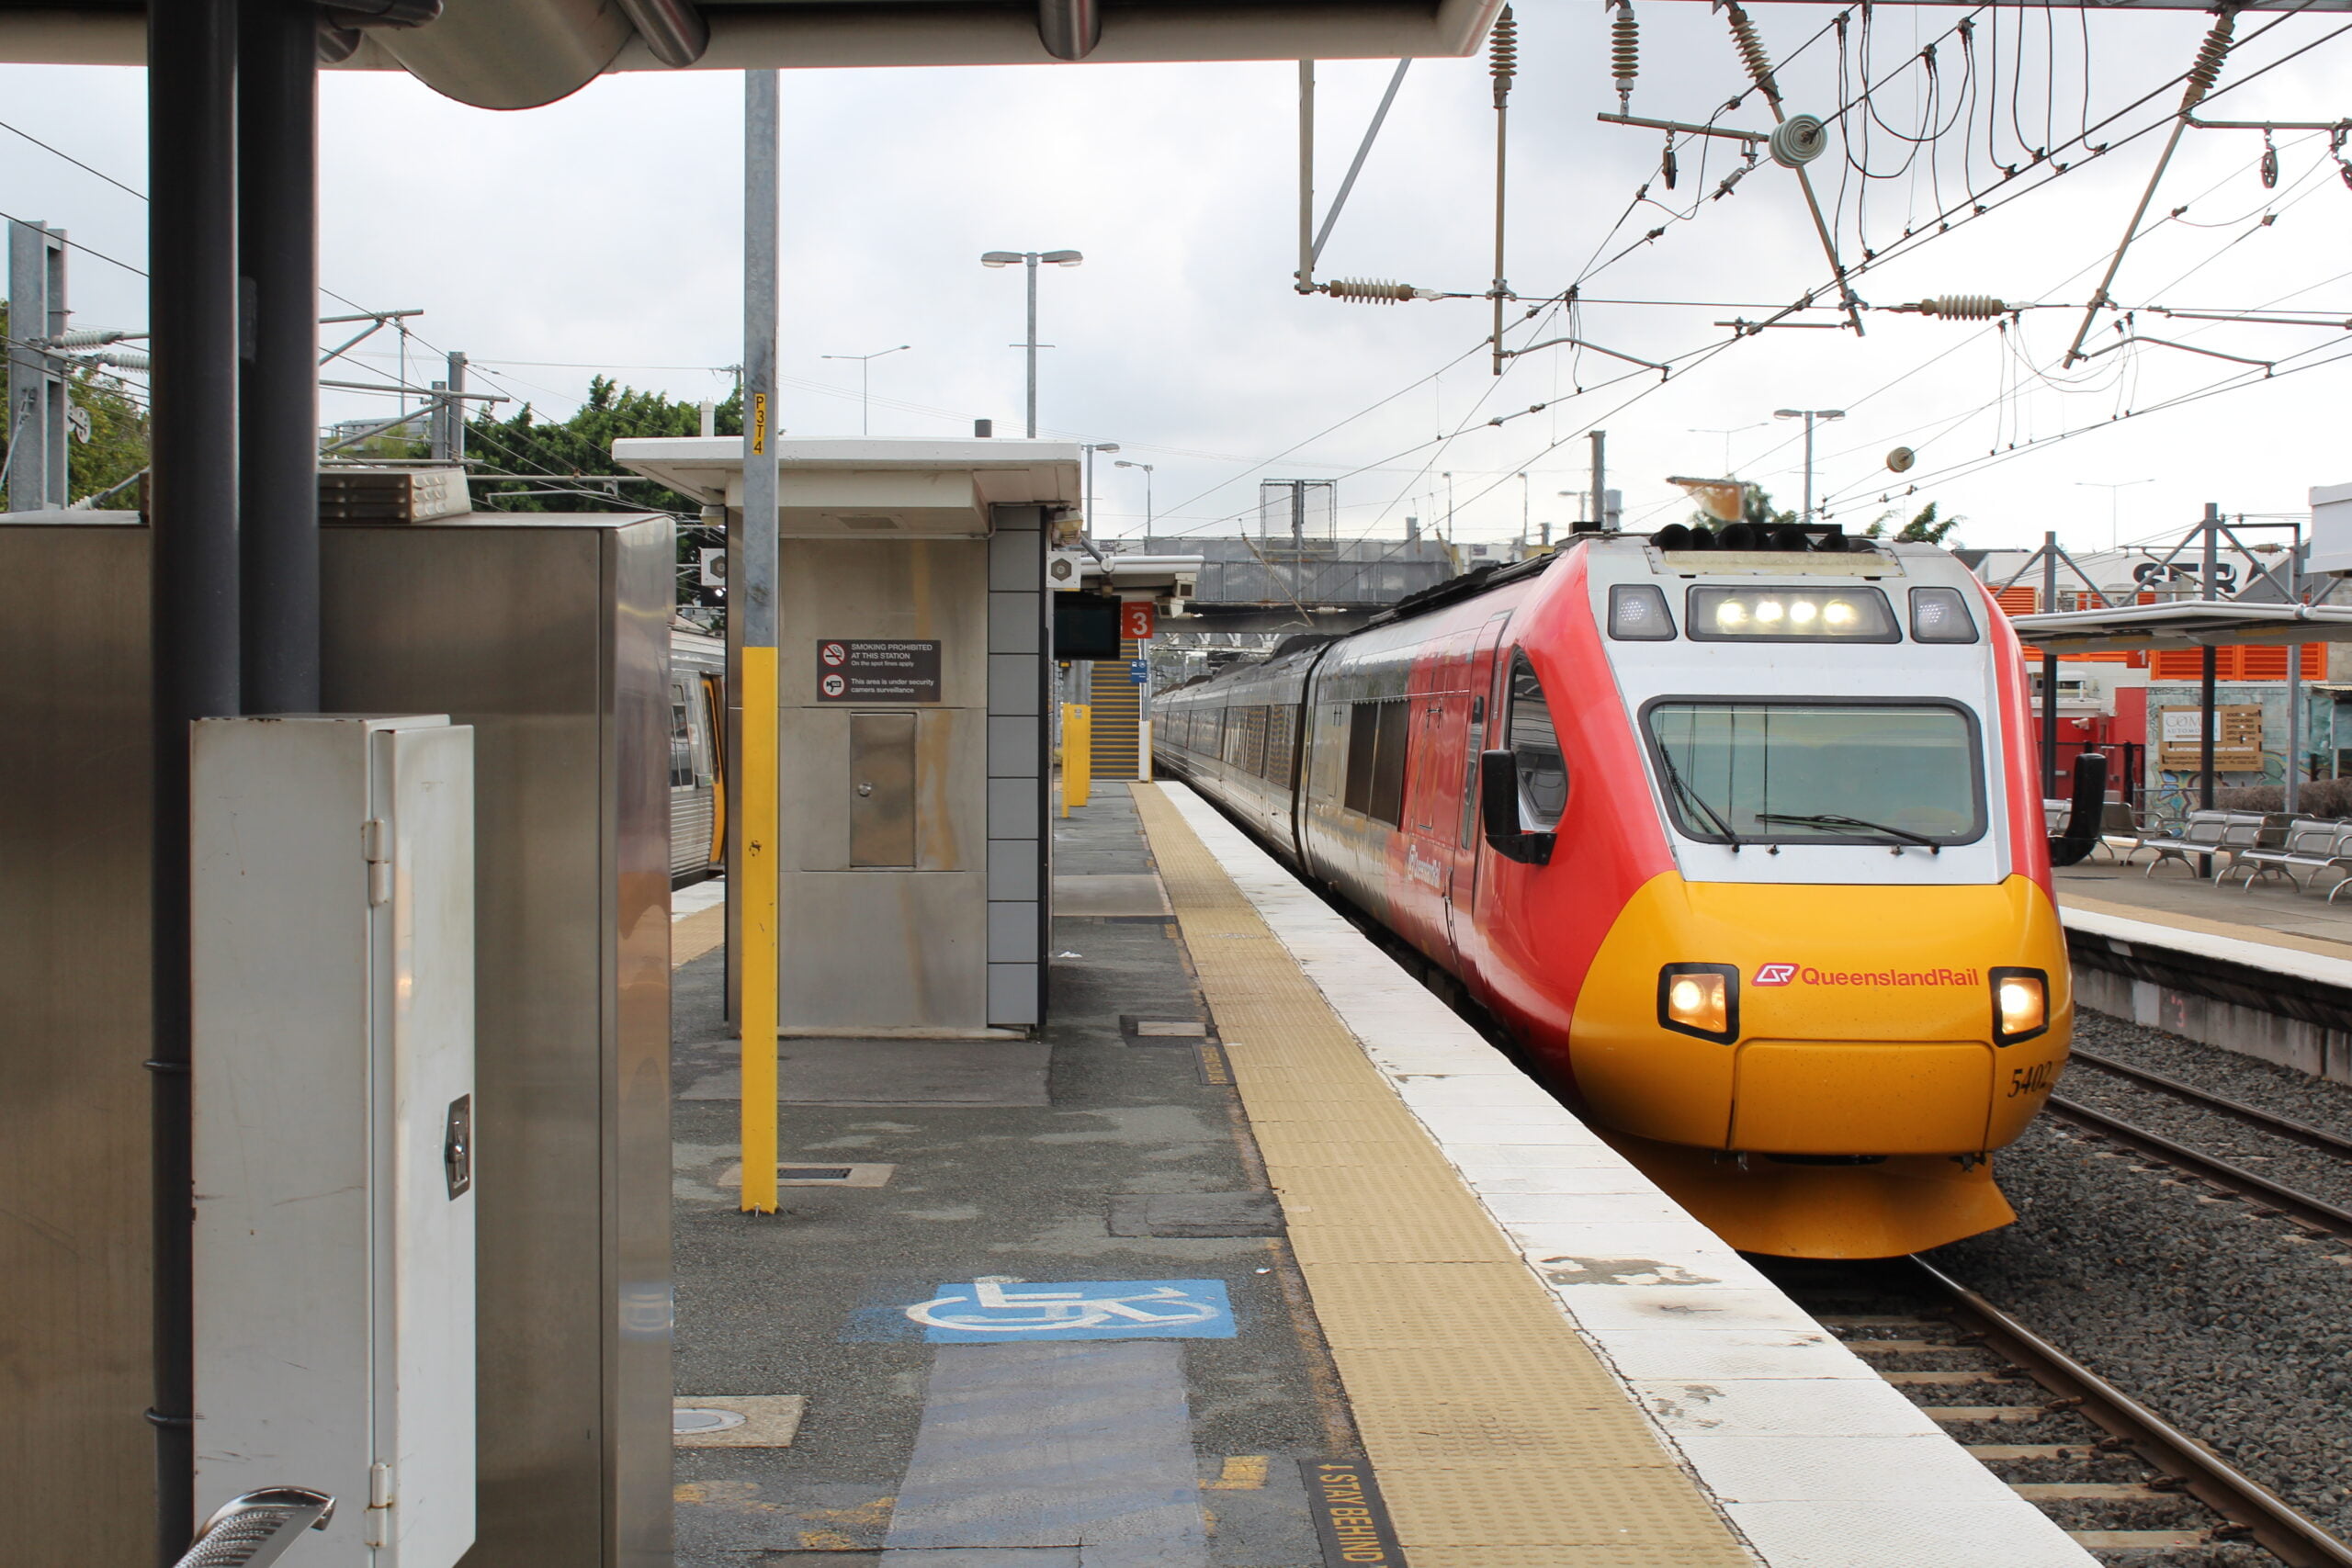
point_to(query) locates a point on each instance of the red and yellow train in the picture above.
(1743, 846)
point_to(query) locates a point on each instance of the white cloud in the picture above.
(604, 231)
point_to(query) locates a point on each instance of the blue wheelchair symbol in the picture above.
(997, 1311)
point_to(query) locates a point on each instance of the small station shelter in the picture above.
(913, 721)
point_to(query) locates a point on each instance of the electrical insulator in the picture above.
(93, 339)
(1963, 307)
(1374, 290)
(1752, 53)
(1502, 54)
(1798, 140)
(2210, 55)
(1625, 55)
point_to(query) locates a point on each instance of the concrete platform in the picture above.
(2270, 911)
(2266, 972)
(1223, 1292)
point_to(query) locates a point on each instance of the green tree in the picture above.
(526, 453)
(1925, 528)
(510, 457)
(116, 448)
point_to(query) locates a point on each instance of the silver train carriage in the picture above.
(698, 756)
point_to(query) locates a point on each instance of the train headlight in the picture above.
(1789, 614)
(2020, 1005)
(1701, 999)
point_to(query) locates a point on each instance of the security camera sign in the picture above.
(851, 670)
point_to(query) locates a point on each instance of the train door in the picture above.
(1462, 889)
(1427, 821)
(714, 731)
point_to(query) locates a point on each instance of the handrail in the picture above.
(255, 1529)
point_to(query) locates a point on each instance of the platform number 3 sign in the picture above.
(1137, 617)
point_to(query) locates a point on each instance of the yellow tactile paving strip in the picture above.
(1499, 1439)
(697, 935)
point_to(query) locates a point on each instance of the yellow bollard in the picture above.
(758, 895)
(1077, 754)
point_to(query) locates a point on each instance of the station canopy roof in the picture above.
(2182, 622)
(871, 487)
(512, 55)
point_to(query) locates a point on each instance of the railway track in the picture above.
(2302, 1207)
(2118, 1478)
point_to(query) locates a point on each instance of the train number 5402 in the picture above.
(2040, 1078)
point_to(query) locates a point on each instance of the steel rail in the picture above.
(2207, 1477)
(2300, 1206)
(2286, 1127)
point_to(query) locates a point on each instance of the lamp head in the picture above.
(1106, 447)
(1788, 413)
(1001, 258)
(1062, 258)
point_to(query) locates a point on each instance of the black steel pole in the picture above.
(2049, 726)
(192, 495)
(277, 253)
(2205, 736)
(2209, 573)
(2049, 665)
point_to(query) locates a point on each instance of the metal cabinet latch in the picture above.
(458, 1146)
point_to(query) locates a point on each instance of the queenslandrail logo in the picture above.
(1805, 974)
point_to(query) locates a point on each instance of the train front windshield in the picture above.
(1816, 772)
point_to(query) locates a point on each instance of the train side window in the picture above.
(1363, 734)
(1542, 766)
(1279, 733)
(1388, 761)
(682, 741)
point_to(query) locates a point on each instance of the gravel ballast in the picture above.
(2236, 1327)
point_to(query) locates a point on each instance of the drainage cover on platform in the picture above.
(736, 1421)
(1157, 1030)
(684, 1421)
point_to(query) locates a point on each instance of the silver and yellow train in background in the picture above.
(698, 756)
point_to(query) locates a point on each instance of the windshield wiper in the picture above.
(1831, 819)
(1681, 787)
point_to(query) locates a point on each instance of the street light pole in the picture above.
(864, 387)
(1123, 463)
(1029, 259)
(2114, 514)
(1090, 448)
(1809, 416)
(1726, 431)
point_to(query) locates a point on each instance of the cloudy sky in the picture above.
(602, 233)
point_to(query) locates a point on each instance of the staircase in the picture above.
(1118, 713)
